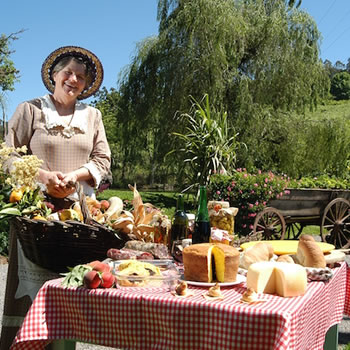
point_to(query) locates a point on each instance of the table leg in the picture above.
(331, 340)
(62, 345)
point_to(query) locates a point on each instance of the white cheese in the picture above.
(286, 280)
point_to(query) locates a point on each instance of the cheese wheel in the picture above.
(286, 280)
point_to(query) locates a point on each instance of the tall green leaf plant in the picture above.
(208, 144)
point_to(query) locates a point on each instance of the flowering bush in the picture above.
(250, 193)
(20, 193)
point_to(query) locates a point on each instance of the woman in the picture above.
(69, 137)
(66, 134)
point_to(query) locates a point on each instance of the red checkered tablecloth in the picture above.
(142, 319)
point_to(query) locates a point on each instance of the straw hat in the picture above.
(87, 57)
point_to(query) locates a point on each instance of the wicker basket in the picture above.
(57, 245)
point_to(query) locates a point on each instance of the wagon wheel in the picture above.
(270, 224)
(294, 230)
(335, 225)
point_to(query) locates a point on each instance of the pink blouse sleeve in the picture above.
(100, 158)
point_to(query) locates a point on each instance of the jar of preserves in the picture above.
(222, 216)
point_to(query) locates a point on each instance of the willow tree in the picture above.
(254, 58)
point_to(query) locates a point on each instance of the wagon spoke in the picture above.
(270, 224)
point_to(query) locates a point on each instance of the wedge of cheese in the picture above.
(286, 280)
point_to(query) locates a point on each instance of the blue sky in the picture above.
(112, 29)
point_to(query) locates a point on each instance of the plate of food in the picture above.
(240, 279)
(136, 273)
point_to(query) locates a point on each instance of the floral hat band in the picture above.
(93, 64)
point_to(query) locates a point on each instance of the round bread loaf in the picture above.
(258, 252)
(309, 254)
(285, 258)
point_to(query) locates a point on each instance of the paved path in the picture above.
(344, 327)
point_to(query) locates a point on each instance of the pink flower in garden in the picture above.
(252, 191)
(229, 189)
(218, 192)
(264, 203)
(270, 192)
(251, 227)
(251, 205)
(256, 185)
(266, 180)
(259, 171)
(244, 225)
(281, 194)
(286, 191)
(233, 184)
(245, 175)
(278, 196)
(239, 170)
(256, 203)
(240, 191)
(222, 171)
(265, 185)
(214, 171)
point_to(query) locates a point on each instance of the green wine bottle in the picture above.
(201, 233)
(179, 225)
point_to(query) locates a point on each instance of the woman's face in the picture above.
(71, 80)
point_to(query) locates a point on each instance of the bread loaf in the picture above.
(258, 252)
(309, 254)
(285, 258)
(286, 280)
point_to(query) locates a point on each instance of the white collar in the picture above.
(53, 119)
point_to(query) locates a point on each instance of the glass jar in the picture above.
(222, 216)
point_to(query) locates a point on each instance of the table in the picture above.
(153, 319)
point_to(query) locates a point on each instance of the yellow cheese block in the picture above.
(281, 247)
(283, 279)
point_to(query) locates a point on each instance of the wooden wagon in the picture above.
(286, 217)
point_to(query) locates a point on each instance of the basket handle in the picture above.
(82, 201)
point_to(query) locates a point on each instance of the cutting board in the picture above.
(281, 247)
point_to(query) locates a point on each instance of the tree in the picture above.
(340, 86)
(8, 73)
(254, 58)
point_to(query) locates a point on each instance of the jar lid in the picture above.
(218, 205)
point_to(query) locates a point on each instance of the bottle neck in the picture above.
(202, 213)
(180, 206)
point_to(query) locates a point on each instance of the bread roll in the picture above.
(258, 252)
(309, 254)
(285, 258)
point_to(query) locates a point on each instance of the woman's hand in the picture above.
(55, 184)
